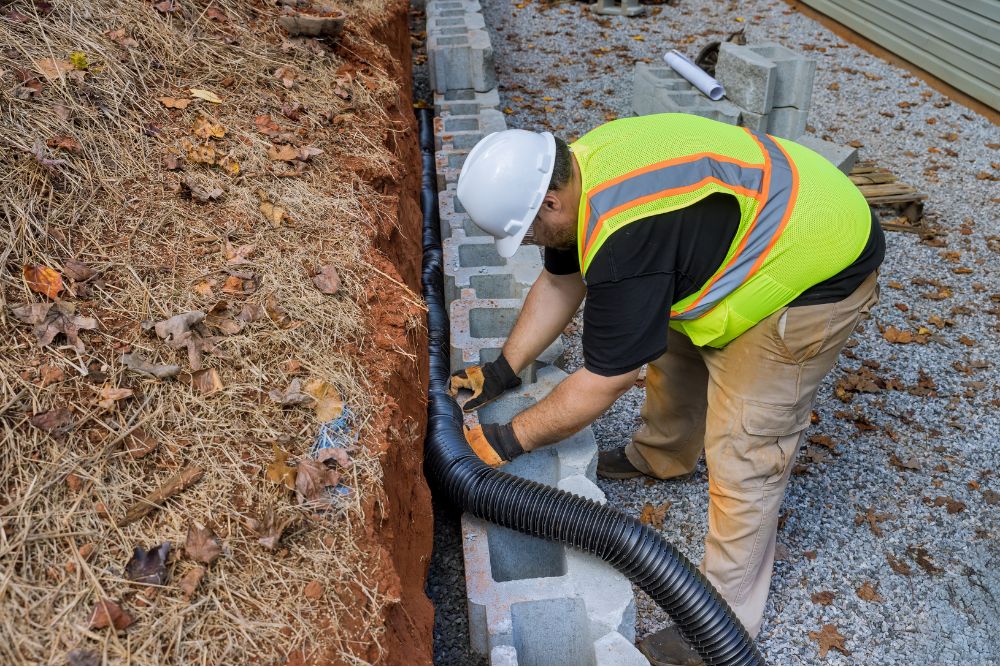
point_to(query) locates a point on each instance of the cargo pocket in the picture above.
(772, 436)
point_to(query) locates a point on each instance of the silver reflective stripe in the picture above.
(760, 235)
(669, 178)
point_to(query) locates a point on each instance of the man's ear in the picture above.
(551, 202)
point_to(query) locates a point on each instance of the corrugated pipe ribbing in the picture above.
(636, 550)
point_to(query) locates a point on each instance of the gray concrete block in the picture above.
(503, 655)
(458, 62)
(444, 8)
(618, 7)
(449, 166)
(658, 89)
(614, 649)
(551, 603)
(755, 121)
(786, 122)
(795, 74)
(456, 24)
(748, 77)
(843, 157)
(479, 328)
(462, 133)
(465, 102)
(474, 270)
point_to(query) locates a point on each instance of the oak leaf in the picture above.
(50, 320)
(293, 395)
(43, 280)
(77, 270)
(189, 582)
(65, 142)
(108, 614)
(176, 331)
(329, 404)
(207, 381)
(269, 528)
(866, 591)
(111, 395)
(829, 638)
(134, 361)
(278, 470)
(311, 480)
(894, 335)
(266, 125)
(53, 68)
(274, 213)
(56, 421)
(823, 597)
(898, 566)
(148, 567)
(202, 544)
(206, 129)
(653, 515)
(174, 102)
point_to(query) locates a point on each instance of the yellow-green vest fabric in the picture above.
(801, 220)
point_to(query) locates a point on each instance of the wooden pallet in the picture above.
(881, 188)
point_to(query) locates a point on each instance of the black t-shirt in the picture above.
(653, 263)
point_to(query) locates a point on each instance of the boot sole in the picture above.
(619, 475)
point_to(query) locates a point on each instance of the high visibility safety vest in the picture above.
(801, 220)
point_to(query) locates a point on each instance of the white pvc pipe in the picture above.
(698, 77)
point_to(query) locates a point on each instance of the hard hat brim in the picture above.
(508, 245)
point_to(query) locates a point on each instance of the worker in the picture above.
(735, 264)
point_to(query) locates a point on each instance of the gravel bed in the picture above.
(562, 69)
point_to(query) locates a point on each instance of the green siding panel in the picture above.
(949, 22)
(967, 68)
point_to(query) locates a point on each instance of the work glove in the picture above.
(495, 444)
(487, 382)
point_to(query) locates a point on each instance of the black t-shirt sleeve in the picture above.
(625, 323)
(561, 262)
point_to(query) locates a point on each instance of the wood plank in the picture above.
(896, 199)
(874, 178)
(886, 189)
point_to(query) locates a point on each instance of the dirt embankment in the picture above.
(190, 158)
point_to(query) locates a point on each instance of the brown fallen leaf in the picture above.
(202, 544)
(292, 395)
(76, 270)
(909, 464)
(43, 280)
(111, 395)
(66, 143)
(189, 582)
(174, 102)
(206, 95)
(897, 336)
(50, 320)
(53, 68)
(327, 281)
(49, 374)
(148, 567)
(274, 213)
(829, 638)
(314, 590)
(289, 153)
(823, 597)
(923, 559)
(252, 312)
(207, 381)
(139, 444)
(311, 480)
(269, 528)
(286, 75)
(107, 613)
(866, 591)
(653, 515)
(277, 313)
(176, 331)
(238, 254)
(199, 153)
(278, 470)
(203, 127)
(266, 125)
(898, 566)
(873, 519)
(57, 421)
(200, 193)
(134, 361)
(329, 404)
(953, 506)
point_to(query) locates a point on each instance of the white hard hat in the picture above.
(503, 181)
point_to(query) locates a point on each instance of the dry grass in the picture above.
(115, 207)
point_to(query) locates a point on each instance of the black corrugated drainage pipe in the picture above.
(638, 551)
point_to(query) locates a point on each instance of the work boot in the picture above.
(667, 647)
(615, 465)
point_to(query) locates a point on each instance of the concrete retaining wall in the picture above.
(531, 601)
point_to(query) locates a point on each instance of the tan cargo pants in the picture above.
(747, 405)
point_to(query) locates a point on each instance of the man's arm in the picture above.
(550, 305)
(573, 404)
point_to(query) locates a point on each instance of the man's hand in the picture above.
(487, 382)
(495, 444)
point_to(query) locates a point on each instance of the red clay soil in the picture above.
(401, 527)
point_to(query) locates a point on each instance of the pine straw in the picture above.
(116, 208)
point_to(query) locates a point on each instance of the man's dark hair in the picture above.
(562, 170)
